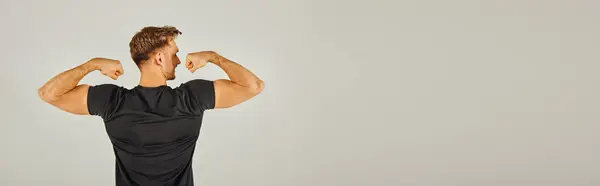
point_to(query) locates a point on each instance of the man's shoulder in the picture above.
(195, 84)
(106, 88)
(102, 99)
(198, 93)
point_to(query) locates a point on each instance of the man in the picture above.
(153, 127)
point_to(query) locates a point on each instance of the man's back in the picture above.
(153, 129)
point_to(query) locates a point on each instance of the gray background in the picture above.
(416, 93)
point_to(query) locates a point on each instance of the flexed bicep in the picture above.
(229, 93)
(240, 87)
(73, 101)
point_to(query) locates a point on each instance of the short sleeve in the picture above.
(198, 94)
(102, 100)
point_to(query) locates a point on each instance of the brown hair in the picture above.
(149, 39)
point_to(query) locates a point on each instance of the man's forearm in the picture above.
(237, 73)
(65, 81)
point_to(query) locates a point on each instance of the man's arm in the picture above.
(64, 92)
(241, 85)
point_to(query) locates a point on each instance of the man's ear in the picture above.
(159, 58)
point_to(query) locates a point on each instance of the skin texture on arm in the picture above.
(64, 91)
(241, 85)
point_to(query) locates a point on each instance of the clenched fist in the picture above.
(197, 60)
(108, 67)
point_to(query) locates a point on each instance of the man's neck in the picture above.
(149, 79)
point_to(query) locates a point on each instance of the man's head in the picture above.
(154, 48)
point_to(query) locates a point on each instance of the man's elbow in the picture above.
(45, 96)
(258, 87)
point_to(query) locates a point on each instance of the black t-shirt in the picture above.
(153, 130)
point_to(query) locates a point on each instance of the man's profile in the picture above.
(153, 128)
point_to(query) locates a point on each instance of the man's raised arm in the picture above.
(64, 91)
(241, 85)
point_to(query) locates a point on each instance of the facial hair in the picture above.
(171, 75)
